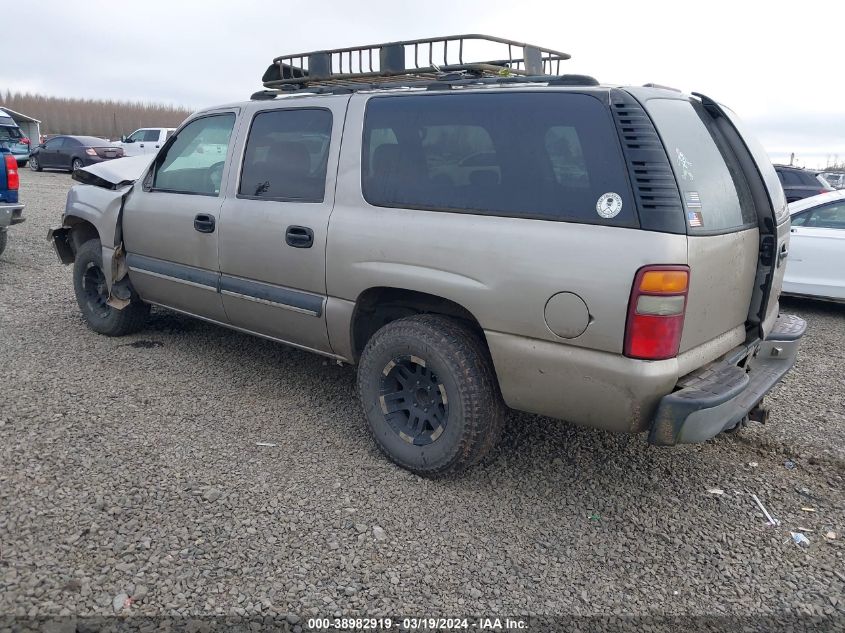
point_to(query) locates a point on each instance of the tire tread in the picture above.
(478, 387)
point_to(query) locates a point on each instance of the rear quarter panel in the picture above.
(720, 287)
(503, 270)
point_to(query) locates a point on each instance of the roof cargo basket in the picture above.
(419, 60)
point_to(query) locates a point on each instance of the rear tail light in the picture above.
(25, 141)
(13, 181)
(656, 312)
(826, 190)
(91, 151)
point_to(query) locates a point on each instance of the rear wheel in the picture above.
(430, 394)
(34, 165)
(89, 284)
(22, 163)
(76, 164)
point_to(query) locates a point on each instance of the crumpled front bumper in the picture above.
(720, 395)
(11, 214)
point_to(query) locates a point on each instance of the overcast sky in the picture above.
(779, 66)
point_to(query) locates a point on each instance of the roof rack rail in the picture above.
(419, 60)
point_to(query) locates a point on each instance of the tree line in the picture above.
(92, 117)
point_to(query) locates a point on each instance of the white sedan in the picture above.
(816, 261)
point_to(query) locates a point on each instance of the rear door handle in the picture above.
(204, 223)
(783, 253)
(299, 237)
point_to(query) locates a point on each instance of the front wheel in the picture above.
(76, 164)
(34, 165)
(89, 284)
(430, 394)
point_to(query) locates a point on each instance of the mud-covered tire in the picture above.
(459, 364)
(4, 238)
(91, 295)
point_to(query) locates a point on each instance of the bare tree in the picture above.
(92, 117)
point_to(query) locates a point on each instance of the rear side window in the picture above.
(150, 136)
(286, 155)
(710, 194)
(551, 156)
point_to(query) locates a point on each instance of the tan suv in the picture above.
(473, 235)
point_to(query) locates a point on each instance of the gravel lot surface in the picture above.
(129, 469)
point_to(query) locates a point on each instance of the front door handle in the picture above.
(299, 237)
(204, 223)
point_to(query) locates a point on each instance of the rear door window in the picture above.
(286, 155)
(711, 198)
(543, 155)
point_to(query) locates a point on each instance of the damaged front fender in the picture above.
(98, 203)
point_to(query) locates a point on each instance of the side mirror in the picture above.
(42, 145)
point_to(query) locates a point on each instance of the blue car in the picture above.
(13, 139)
(11, 210)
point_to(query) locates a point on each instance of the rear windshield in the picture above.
(551, 156)
(10, 133)
(710, 195)
(92, 141)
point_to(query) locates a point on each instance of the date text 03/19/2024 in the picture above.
(417, 624)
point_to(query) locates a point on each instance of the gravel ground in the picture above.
(129, 468)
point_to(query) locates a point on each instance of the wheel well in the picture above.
(80, 232)
(376, 307)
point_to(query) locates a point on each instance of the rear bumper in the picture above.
(721, 394)
(11, 214)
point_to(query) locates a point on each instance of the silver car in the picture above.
(473, 236)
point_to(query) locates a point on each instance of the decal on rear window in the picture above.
(609, 205)
(685, 165)
(695, 219)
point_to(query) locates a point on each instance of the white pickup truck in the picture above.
(146, 140)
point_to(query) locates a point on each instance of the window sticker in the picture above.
(685, 164)
(609, 205)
